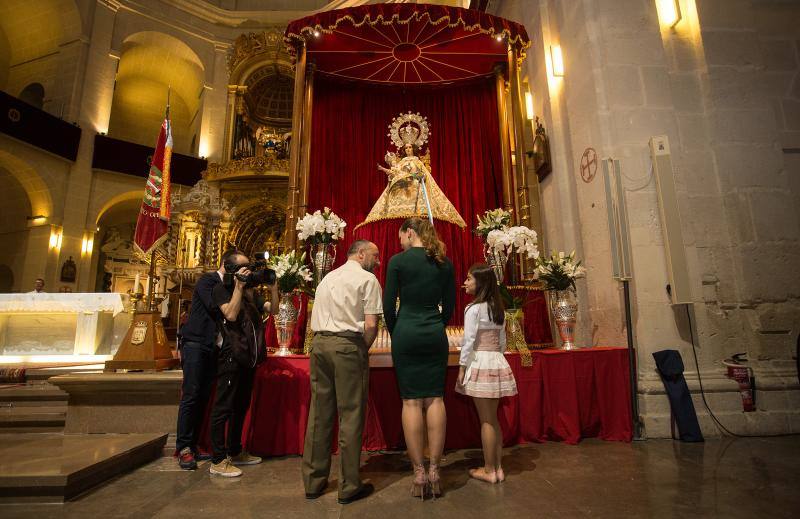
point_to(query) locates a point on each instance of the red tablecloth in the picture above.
(564, 396)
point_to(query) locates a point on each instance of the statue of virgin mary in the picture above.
(411, 190)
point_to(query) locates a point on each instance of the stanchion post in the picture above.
(638, 426)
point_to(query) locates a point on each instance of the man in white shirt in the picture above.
(38, 286)
(347, 306)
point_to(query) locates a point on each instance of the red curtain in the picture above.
(349, 138)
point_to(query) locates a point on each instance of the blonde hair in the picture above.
(434, 247)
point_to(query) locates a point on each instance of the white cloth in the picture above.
(476, 317)
(43, 302)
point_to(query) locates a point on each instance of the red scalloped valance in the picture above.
(406, 43)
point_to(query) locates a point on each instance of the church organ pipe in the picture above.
(294, 153)
(505, 147)
(305, 161)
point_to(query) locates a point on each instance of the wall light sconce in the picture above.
(37, 219)
(558, 60)
(529, 105)
(669, 12)
(56, 237)
(87, 244)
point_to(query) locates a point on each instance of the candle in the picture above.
(136, 284)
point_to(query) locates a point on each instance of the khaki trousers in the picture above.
(339, 382)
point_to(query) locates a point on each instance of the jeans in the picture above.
(231, 402)
(199, 365)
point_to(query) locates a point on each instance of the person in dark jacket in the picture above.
(241, 350)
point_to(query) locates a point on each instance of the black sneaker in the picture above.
(366, 490)
(186, 459)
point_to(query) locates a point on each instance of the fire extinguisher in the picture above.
(743, 375)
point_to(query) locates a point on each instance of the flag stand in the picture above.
(145, 346)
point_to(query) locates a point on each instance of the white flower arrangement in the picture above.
(518, 239)
(290, 270)
(559, 271)
(492, 220)
(321, 227)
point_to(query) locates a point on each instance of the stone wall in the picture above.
(722, 85)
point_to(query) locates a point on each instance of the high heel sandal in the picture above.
(434, 480)
(420, 482)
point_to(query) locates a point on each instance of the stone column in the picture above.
(41, 260)
(93, 116)
(85, 282)
(213, 129)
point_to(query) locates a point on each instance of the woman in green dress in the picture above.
(423, 278)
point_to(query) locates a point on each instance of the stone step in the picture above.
(32, 416)
(53, 468)
(41, 392)
(42, 374)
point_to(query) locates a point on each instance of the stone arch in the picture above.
(115, 224)
(38, 192)
(114, 201)
(151, 63)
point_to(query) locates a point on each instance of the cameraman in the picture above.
(242, 349)
(199, 340)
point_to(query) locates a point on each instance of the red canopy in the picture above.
(406, 43)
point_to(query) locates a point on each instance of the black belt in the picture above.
(339, 334)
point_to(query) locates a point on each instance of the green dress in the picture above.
(419, 342)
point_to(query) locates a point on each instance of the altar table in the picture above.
(62, 324)
(564, 396)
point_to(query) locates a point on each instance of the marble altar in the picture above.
(62, 324)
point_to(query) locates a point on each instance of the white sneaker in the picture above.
(225, 469)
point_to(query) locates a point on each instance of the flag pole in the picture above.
(152, 272)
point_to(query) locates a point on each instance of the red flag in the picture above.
(153, 222)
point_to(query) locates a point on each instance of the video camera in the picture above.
(259, 273)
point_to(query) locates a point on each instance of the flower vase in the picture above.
(285, 322)
(515, 335)
(497, 260)
(322, 257)
(564, 307)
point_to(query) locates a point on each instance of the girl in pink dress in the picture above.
(484, 373)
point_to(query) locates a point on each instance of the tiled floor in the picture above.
(657, 478)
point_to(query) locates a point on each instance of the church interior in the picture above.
(645, 151)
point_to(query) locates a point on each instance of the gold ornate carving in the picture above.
(249, 166)
(249, 45)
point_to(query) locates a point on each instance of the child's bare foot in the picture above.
(501, 476)
(483, 475)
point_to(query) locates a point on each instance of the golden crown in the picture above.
(409, 128)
